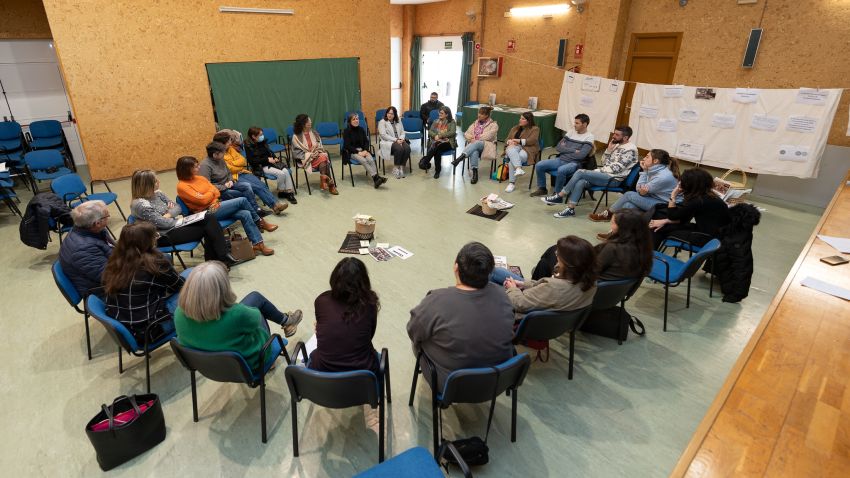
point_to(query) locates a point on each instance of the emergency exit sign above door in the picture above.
(448, 45)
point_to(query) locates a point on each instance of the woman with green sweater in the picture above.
(209, 318)
(442, 134)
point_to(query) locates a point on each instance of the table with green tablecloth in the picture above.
(508, 117)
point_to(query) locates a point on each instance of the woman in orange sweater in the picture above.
(200, 195)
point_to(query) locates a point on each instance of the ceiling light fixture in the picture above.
(272, 11)
(545, 11)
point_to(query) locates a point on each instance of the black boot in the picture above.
(290, 196)
(457, 160)
(378, 181)
(474, 175)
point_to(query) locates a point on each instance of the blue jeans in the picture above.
(267, 309)
(633, 200)
(241, 210)
(473, 151)
(581, 180)
(241, 189)
(259, 187)
(517, 156)
(499, 275)
(563, 171)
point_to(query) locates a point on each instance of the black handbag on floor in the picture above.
(612, 323)
(126, 429)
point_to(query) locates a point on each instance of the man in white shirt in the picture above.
(573, 149)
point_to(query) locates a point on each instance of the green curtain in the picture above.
(415, 72)
(465, 71)
(272, 93)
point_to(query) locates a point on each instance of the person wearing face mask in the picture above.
(425, 111)
(238, 167)
(522, 145)
(263, 161)
(617, 162)
(442, 134)
(356, 146)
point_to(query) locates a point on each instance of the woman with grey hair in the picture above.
(209, 318)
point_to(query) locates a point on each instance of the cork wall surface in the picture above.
(531, 70)
(135, 71)
(396, 20)
(23, 19)
(804, 44)
(605, 31)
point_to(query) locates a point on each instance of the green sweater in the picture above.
(239, 329)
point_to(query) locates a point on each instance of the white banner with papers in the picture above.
(594, 96)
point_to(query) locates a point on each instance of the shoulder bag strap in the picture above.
(634, 323)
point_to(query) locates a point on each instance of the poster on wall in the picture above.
(490, 67)
(597, 97)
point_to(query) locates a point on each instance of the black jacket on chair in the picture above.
(35, 228)
(734, 260)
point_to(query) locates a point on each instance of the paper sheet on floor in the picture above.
(311, 344)
(826, 287)
(841, 244)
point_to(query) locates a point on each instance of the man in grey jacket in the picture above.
(215, 170)
(468, 325)
(576, 144)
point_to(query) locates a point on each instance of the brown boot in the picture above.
(324, 182)
(265, 226)
(603, 216)
(332, 188)
(261, 248)
(280, 207)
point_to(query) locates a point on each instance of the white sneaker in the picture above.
(518, 172)
(510, 188)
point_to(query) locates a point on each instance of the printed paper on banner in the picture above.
(591, 83)
(674, 91)
(789, 152)
(723, 121)
(690, 151)
(586, 101)
(688, 115)
(745, 95)
(571, 78)
(812, 96)
(802, 124)
(648, 111)
(667, 125)
(765, 123)
(614, 87)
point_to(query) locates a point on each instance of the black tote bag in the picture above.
(123, 440)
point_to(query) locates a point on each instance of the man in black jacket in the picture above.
(428, 107)
(87, 247)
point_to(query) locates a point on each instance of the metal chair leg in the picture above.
(182, 264)
(666, 297)
(413, 386)
(387, 381)
(120, 361)
(600, 202)
(572, 353)
(121, 211)
(148, 370)
(688, 296)
(294, 427)
(381, 431)
(513, 415)
(88, 335)
(435, 422)
(194, 397)
(263, 410)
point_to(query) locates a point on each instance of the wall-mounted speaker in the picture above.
(471, 46)
(752, 48)
(562, 52)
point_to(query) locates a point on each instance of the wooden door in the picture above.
(652, 59)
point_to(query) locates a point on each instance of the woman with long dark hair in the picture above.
(699, 203)
(137, 281)
(522, 145)
(627, 252)
(356, 144)
(571, 286)
(442, 133)
(346, 319)
(392, 142)
(308, 151)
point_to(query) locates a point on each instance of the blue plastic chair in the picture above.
(184, 210)
(45, 165)
(628, 184)
(679, 244)
(348, 159)
(273, 140)
(330, 134)
(459, 114)
(413, 130)
(124, 338)
(411, 114)
(473, 385)
(72, 190)
(339, 390)
(671, 271)
(69, 292)
(231, 367)
(416, 463)
(379, 115)
(7, 194)
(549, 325)
(46, 134)
(611, 293)
(12, 150)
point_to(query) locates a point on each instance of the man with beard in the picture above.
(427, 107)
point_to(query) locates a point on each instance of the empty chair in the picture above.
(411, 114)
(679, 244)
(330, 134)
(48, 134)
(613, 293)
(73, 297)
(416, 462)
(671, 271)
(339, 390)
(473, 385)
(413, 130)
(45, 165)
(551, 324)
(72, 190)
(7, 194)
(12, 147)
(379, 115)
(124, 338)
(231, 367)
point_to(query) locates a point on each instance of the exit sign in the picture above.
(448, 45)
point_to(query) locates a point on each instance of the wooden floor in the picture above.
(785, 407)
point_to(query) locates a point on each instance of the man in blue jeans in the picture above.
(617, 161)
(573, 149)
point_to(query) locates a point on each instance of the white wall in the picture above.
(814, 192)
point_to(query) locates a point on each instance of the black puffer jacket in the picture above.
(35, 226)
(734, 260)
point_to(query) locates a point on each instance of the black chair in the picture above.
(473, 385)
(551, 324)
(613, 293)
(231, 367)
(339, 390)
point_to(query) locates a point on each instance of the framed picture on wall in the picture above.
(490, 67)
